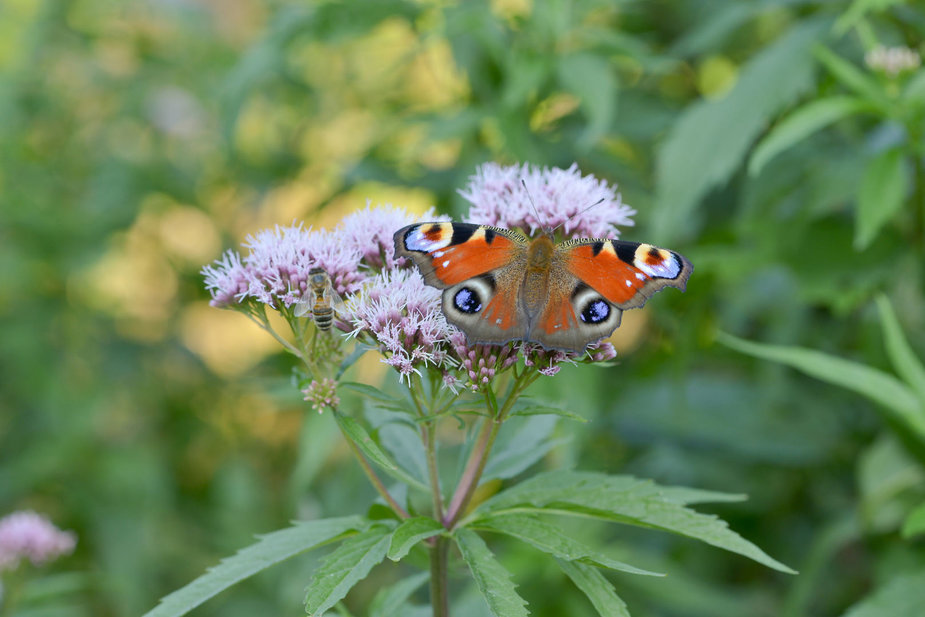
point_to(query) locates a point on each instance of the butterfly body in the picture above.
(500, 286)
(320, 299)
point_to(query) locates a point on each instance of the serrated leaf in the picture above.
(851, 76)
(344, 568)
(493, 581)
(592, 79)
(356, 433)
(550, 539)
(903, 596)
(769, 82)
(410, 532)
(598, 589)
(622, 499)
(271, 549)
(881, 195)
(882, 388)
(390, 601)
(802, 123)
(914, 525)
(904, 360)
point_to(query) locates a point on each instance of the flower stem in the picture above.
(439, 598)
(473, 471)
(374, 479)
(479, 456)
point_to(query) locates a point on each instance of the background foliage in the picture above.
(138, 139)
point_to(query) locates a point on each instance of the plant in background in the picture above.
(28, 537)
(891, 472)
(890, 89)
(437, 498)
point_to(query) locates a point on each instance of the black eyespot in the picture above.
(467, 300)
(595, 312)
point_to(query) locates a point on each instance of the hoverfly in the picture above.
(319, 299)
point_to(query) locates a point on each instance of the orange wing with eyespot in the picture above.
(626, 273)
(450, 253)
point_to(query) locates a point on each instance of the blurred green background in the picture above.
(139, 139)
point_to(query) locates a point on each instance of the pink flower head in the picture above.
(27, 535)
(322, 394)
(562, 197)
(370, 231)
(276, 270)
(227, 280)
(403, 316)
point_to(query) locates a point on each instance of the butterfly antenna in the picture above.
(596, 203)
(535, 211)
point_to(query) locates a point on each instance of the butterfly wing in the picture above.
(626, 274)
(593, 281)
(480, 269)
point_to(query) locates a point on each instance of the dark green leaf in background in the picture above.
(881, 194)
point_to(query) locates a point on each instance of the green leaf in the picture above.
(271, 549)
(492, 579)
(520, 444)
(550, 539)
(726, 127)
(356, 433)
(410, 532)
(621, 499)
(858, 11)
(592, 79)
(914, 525)
(687, 496)
(370, 392)
(549, 410)
(598, 589)
(390, 601)
(852, 77)
(903, 596)
(878, 386)
(881, 194)
(902, 357)
(803, 122)
(344, 568)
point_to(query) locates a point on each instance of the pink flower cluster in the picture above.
(322, 394)
(27, 535)
(275, 270)
(403, 315)
(584, 206)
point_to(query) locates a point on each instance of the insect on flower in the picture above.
(320, 300)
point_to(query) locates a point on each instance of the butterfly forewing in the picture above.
(626, 273)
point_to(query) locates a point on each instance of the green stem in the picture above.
(428, 436)
(479, 456)
(473, 471)
(439, 599)
(374, 479)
